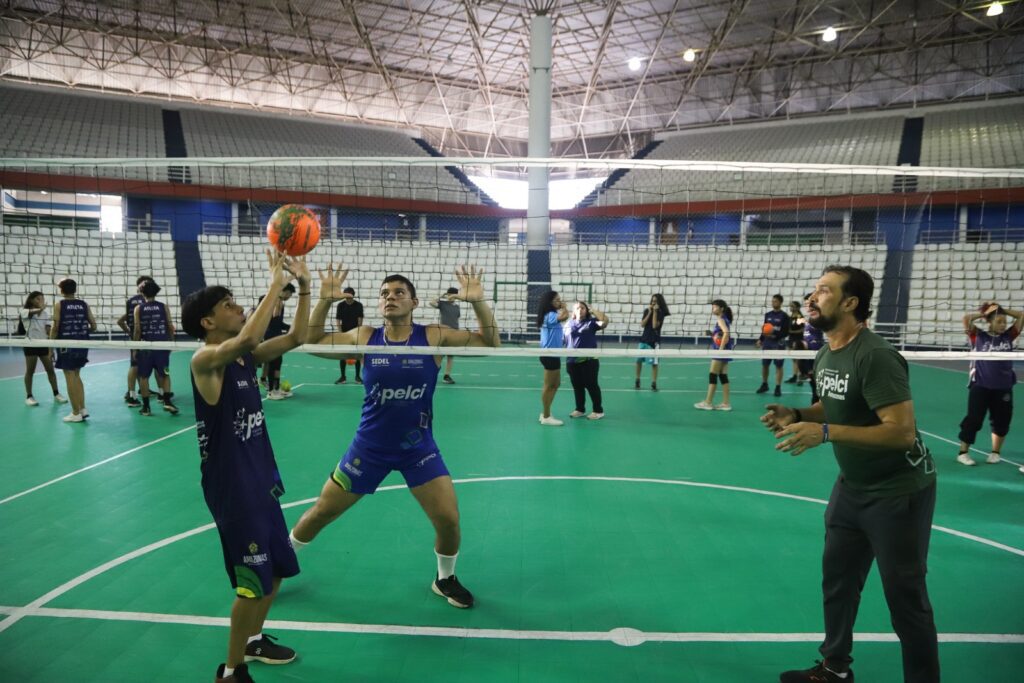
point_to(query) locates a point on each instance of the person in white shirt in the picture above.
(35, 320)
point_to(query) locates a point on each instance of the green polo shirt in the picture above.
(854, 382)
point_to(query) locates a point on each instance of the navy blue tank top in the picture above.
(74, 319)
(240, 475)
(130, 305)
(153, 321)
(398, 409)
(718, 333)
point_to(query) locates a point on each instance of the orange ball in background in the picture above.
(767, 329)
(293, 229)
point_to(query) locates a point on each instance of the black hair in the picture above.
(546, 305)
(778, 297)
(857, 283)
(67, 286)
(28, 299)
(586, 306)
(142, 278)
(662, 306)
(452, 290)
(795, 304)
(726, 311)
(150, 289)
(197, 306)
(288, 288)
(349, 290)
(404, 280)
(999, 311)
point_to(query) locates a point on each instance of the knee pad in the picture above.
(724, 378)
(712, 378)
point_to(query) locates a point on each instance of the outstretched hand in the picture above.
(280, 267)
(777, 418)
(331, 281)
(471, 289)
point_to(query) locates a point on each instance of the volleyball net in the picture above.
(937, 241)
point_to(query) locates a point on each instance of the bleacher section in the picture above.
(856, 141)
(951, 279)
(104, 266)
(978, 137)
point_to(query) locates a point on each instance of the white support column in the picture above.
(539, 145)
(423, 228)
(652, 231)
(234, 219)
(847, 223)
(961, 225)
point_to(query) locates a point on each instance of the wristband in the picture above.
(304, 293)
(824, 432)
(799, 417)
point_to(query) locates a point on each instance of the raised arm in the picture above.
(272, 348)
(602, 319)
(330, 291)
(471, 291)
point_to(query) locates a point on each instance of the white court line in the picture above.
(957, 443)
(43, 371)
(620, 636)
(19, 613)
(461, 387)
(96, 464)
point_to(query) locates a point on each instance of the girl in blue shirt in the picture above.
(551, 314)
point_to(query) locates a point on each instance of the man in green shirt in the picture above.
(882, 504)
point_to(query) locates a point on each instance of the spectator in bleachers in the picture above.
(152, 322)
(127, 324)
(447, 305)
(551, 315)
(991, 385)
(277, 328)
(349, 316)
(584, 325)
(773, 335)
(72, 319)
(34, 320)
(795, 341)
(721, 338)
(650, 338)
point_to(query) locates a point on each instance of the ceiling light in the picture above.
(689, 55)
(635, 63)
(994, 10)
(829, 35)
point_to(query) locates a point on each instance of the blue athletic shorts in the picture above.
(257, 551)
(772, 346)
(361, 471)
(72, 359)
(649, 360)
(149, 362)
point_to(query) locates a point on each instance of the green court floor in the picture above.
(659, 544)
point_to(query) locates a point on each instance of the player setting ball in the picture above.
(293, 229)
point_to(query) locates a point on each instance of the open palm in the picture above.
(470, 287)
(331, 281)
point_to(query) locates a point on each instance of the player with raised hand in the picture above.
(396, 428)
(240, 478)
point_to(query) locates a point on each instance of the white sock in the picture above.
(297, 545)
(445, 565)
(253, 639)
(228, 671)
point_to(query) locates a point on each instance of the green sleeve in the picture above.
(885, 380)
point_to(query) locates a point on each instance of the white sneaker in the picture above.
(577, 413)
(551, 421)
(1022, 469)
(287, 394)
(724, 407)
(965, 459)
(74, 417)
(29, 401)
(57, 398)
(703, 405)
(84, 413)
(992, 458)
(275, 395)
(595, 416)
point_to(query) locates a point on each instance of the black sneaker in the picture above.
(448, 379)
(792, 380)
(132, 402)
(778, 390)
(145, 409)
(763, 389)
(816, 674)
(636, 385)
(267, 650)
(239, 675)
(170, 407)
(654, 386)
(359, 380)
(453, 591)
(340, 380)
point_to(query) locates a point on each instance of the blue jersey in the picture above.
(718, 333)
(813, 337)
(780, 321)
(130, 305)
(74, 319)
(551, 332)
(398, 408)
(993, 374)
(240, 475)
(582, 335)
(153, 321)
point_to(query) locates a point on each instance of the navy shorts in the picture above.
(361, 471)
(551, 362)
(152, 361)
(257, 551)
(772, 346)
(71, 359)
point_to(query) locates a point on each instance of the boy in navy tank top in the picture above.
(72, 319)
(240, 479)
(127, 324)
(153, 323)
(990, 388)
(395, 432)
